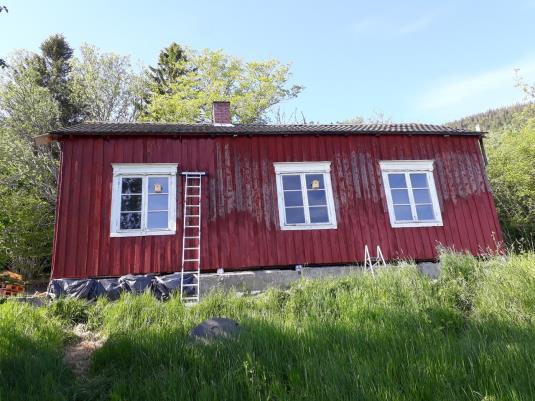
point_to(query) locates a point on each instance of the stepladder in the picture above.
(190, 282)
(371, 262)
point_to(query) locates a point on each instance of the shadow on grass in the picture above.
(380, 356)
(31, 369)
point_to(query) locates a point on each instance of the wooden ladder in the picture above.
(191, 237)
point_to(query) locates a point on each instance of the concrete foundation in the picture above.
(261, 280)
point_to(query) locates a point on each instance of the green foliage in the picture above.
(27, 173)
(172, 64)
(39, 93)
(70, 311)
(53, 66)
(253, 88)
(393, 336)
(511, 171)
(104, 86)
(459, 280)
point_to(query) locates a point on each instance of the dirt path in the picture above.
(78, 355)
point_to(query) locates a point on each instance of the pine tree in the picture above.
(53, 65)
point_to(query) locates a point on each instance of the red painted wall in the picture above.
(240, 213)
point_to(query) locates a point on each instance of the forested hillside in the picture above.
(490, 120)
(510, 147)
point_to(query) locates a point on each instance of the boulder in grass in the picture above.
(214, 329)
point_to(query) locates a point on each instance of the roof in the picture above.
(107, 128)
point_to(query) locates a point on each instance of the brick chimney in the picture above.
(221, 113)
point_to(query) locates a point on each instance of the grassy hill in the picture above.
(395, 336)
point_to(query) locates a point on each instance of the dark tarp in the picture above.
(111, 288)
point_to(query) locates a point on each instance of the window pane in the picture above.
(397, 181)
(132, 185)
(422, 196)
(159, 185)
(425, 212)
(319, 215)
(402, 212)
(291, 182)
(157, 220)
(130, 221)
(293, 198)
(130, 203)
(419, 180)
(317, 198)
(400, 196)
(315, 181)
(158, 202)
(295, 215)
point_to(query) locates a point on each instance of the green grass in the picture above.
(396, 336)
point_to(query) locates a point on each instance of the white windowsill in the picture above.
(410, 224)
(138, 233)
(310, 227)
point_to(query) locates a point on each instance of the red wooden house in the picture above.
(273, 195)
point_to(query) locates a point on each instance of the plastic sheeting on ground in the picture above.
(160, 286)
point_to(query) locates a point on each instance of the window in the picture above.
(410, 193)
(305, 196)
(143, 200)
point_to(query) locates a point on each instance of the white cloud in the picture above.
(417, 25)
(391, 28)
(493, 86)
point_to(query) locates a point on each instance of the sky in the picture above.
(412, 61)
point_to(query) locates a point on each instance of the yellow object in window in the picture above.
(157, 188)
(315, 184)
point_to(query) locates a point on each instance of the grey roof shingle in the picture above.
(106, 128)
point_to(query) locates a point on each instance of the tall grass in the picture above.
(396, 336)
(31, 366)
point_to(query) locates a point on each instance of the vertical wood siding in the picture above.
(240, 212)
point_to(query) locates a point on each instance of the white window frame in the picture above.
(406, 167)
(144, 171)
(302, 168)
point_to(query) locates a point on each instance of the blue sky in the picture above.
(414, 61)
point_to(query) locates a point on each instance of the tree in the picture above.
(104, 86)
(253, 88)
(511, 171)
(172, 64)
(53, 65)
(27, 172)
(2, 61)
(158, 80)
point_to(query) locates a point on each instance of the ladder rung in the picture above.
(193, 205)
(192, 260)
(193, 196)
(193, 186)
(192, 215)
(190, 285)
(192, 226)
(196, 236)
(190, 248)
